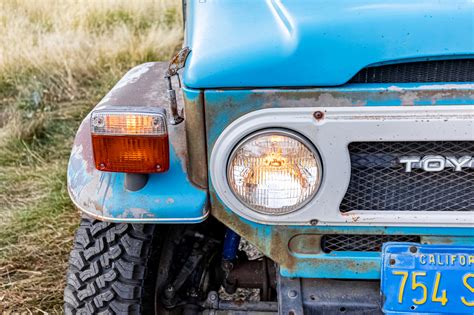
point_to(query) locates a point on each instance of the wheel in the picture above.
(155, 269)
(112, 269)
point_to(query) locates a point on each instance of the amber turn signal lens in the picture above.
(130, 142)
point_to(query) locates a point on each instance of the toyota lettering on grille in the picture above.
(437, 163)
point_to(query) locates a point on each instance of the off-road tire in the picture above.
(112, 269)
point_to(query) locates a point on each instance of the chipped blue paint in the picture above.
(192, 96)
(227, 105)
(224, 106)
(276, 43)
(367, 264)
(76, 178)
(166, 198)
(343, 265)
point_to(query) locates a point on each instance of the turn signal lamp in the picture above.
(130, 142)
(274, 172)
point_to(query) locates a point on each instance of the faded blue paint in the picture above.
(228, 105)
(191, 96)
(278, 43)
(225, 106)
(166, 198)
(366, 264)
(344, 265)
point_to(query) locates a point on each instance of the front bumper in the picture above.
(323, 296)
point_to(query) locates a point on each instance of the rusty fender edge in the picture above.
(168, 197)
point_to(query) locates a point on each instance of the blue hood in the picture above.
(284, 43)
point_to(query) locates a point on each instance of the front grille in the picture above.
(361, 243)
(456, 70)
(379, 182)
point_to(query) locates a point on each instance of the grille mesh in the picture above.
(458, 70)
(379, 182)
(361, 243)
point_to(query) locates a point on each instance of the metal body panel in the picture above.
(325, 296)
(195, 136)
(331, 135)
(168, 197)
(274, 242)
(277, 43)
(225, 107)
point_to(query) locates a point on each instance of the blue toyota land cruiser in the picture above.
(318, 159)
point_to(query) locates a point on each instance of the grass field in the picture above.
(57, 59)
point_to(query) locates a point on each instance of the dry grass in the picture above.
(57, 59)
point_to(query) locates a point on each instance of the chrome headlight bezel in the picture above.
(285, 133)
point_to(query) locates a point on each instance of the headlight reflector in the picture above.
(274, 171)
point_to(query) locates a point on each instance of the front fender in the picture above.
(168, 197)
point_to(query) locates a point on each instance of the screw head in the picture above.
(313, 222)
(102, 166)
(392, 261)
(156, 121)
(292, 294)
(213, 296)
(318, 115)
(98, 121)
(158, 167)
(413, 249)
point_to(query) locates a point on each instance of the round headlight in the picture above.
(274, 171)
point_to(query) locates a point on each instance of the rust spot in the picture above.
(238, 302)
(280, 253)
(83, 140)
(437, 239)
(98, 206)
(270, 245)
(318, 115)
(196, 140)
(178, 61)
(305, 244)
(358, 267)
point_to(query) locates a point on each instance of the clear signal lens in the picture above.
(274, 172)
(128, 124)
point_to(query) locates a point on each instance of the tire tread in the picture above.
(107, 268)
